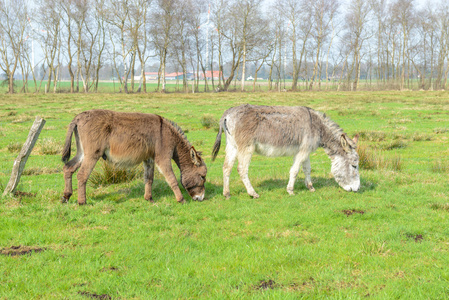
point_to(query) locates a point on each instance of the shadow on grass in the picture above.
(160, 189)
(318, 183)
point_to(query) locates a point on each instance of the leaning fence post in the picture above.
(19, 163)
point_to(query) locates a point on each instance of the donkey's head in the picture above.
(345, 164)
(194, 176)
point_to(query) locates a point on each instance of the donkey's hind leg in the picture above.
(68, 169)
(231, 155)
(244, 159)
(86, 168)
(148, 178)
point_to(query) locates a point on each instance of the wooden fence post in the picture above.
(19, 163)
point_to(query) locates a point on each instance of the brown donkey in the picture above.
(127, 139)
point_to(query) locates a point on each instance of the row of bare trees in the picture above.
(316, 44)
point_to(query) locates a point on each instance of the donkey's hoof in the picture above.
(182, 201)
(64, 200)
(290, 192)
(310, 187)
(255, 195)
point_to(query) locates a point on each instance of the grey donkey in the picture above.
(285, 131)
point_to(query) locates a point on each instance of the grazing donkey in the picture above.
(285, 131)
(127, 139)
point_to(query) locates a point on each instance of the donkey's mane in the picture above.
(333, 128)
(179, 131)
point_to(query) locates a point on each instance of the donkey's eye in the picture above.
(354, 166)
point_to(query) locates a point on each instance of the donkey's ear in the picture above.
(356, 138)
(195, 157)
(344, 143)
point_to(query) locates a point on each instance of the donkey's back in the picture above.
(269, 130)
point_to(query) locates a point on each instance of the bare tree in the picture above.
(230, 39)
(248, 28)
(296, 12)
(356, 21)
(162, 29)
(379, 8)
(67, 7)
(49, 19)
(139, 23)
(117, 15)
(403, 14)
(323, 13)
(442, 25)
(13, 25)
(183, 26)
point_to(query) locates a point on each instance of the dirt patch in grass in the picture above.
(416, 237)
(21, 194)
(349, 212)
(266, 284)
(20, 250)
(95, 296)
(105, 269)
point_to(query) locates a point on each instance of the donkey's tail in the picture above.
(218, 139)
(68, 142)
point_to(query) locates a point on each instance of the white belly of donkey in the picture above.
(274, 151)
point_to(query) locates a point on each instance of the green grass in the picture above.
(389, 240)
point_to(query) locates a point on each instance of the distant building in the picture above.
(210, 74)
(180, 75)
(151, 75)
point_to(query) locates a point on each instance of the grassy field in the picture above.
(389, 240)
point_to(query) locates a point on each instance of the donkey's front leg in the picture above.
(299, 158)
(148, 178)
(243, 166)
(167, 171)
(306, 168)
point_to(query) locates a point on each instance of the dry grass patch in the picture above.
(421, 137)
(209, 121)
(40, 171)
(14, 147)
(440, 130)
(370, 159)
(440, 206)
(22, 119)
(373, 136)
(112, 174)
(439, 166)
(49, 146)
(397, 144)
